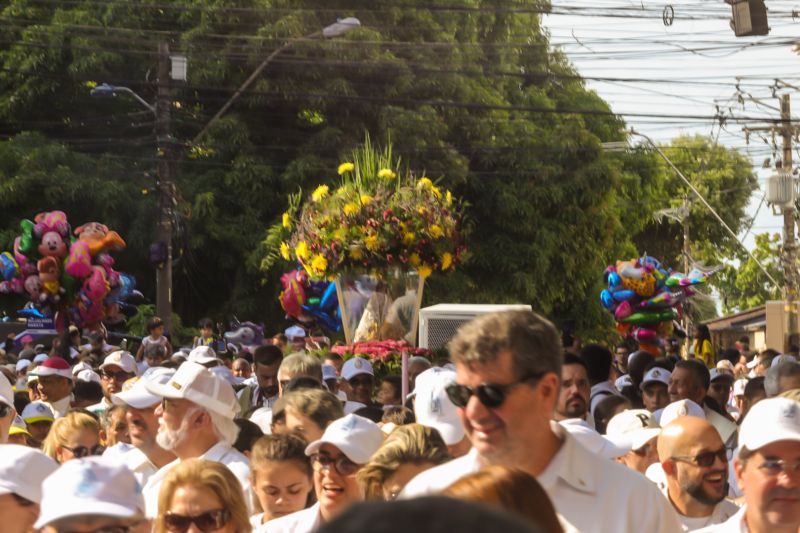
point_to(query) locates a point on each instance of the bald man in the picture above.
(695, 462)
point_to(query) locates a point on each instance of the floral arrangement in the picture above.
(379, 217)
(379, 350)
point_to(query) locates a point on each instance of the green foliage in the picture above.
(743, 285)
(181, 335)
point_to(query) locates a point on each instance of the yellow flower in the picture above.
(447, 260)
(424, 271)
(421, 210)
(340, 234)
(366, 199)
(448, 199)
(386, 173)
(414, 259)
(424, 183)
(341, 191)
(285, 251)
(371, 242)
(435, 231)
(408, 238)
(301, 250)
(319, 264)
(344, 168)
(436, 192)
(356, 252)
(350, 208)
(320, 193)
(287, 222)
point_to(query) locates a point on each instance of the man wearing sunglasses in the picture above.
(117, 368)
(508, 368)
(768, 470)
(695, 462)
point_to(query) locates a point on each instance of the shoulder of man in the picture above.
(436, 479)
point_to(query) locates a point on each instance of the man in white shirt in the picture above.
(196, 420)
(768, 470)
(508, 368)
(117, 368)
(695, 462)
(55, 384)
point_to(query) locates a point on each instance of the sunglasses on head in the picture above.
(83, 451)
(491, 395)
(206, 522)
(343, 465)
(706, 459)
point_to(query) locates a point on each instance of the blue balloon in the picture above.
(623, 295)
(329, 299)
(8, 266)
(608, 299)
(614, 280)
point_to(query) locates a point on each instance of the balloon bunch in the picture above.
(646, 297)
(61, 272)
(309, 301)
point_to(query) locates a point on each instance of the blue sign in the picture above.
(41, 323)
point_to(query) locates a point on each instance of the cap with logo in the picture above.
(202, 355)
(37, 411)
(355, 436)
(355, 366)
(54, 366)
(122, 359)
(6, 391)
(633, 428)
(137, 396)
(768, 421)
(19, 427)
(433, 408)
(680, 408)
(623, 381)
(196, 383)
(655, 375)
(90, 486)
(22, 470)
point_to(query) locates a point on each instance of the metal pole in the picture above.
(686, 254)
(789, 243)
(166, 187)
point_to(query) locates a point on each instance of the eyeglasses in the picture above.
(773, 467)
(83, 451)
(343, 465)
(208, 521)
(706, 459)
(116, 376)
(490, 394)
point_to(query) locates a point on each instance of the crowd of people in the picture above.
(514, 432)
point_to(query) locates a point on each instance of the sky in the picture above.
(690, 68)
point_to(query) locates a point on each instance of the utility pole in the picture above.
(166, 190)
(789, 223)
(687, 323)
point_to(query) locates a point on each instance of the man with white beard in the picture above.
(196, 420)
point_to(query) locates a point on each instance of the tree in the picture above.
(743, 285)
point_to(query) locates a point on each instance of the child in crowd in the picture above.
(155, 328)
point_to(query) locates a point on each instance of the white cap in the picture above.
(632, 428)
(18, 426)
(355, 436)
(202, 355)
(680, 408)
(768, 421)
(656, 375)
(90, 486)
(137, 396)
(754, 362)
(225, 373)
(83, 365)
(783, 358)
(88, 375)
(41, 358)
(328, 372)
(196, 383)
(738, 386)
(22, 470)
(623, 381)
(37, 411)
(433, 408)
(6, 391)
(122, 359)
(355, 366)
(726, 365)
(720, 373)
(54, 366)
(295, 332)
(592, 440)
(21, 365)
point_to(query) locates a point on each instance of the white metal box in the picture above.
(439, 323)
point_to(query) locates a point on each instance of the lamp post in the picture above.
(336, 29)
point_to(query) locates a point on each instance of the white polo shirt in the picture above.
(735, 524)
(137, 462)
(237, 462)
(590, 494)
(305, 521)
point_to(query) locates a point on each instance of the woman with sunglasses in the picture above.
(336, 458)
(199, 495)
(74, 436)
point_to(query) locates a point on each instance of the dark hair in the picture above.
(154, 323)
(279, 447)
(598, 362)
(767, 356)
(729, 354)
(572, 359)
(397, 415)
(206, 323)
(638, 361)
(303, 382)
(333, 356)
(662, 362)
(396, 382)
(267, 355)
(754, 387)
(249, 433)
(155, 350)
(698, 370)
(87, 390)
(702, 333)
(372, 413)
(604, 411)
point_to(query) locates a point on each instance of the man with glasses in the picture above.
(55, 384)
(508, 368)
(7, 411)
(695, 462)
(344, 448)
(768, 470)
(117, 368)
(360, 377)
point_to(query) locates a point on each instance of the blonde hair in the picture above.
(72, 422)
(412, 443)
(210, 475)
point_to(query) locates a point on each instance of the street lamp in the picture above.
(337, 29)
(105, 90)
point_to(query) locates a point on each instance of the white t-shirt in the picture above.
(735, 524)
(722, 512)
(305, 521)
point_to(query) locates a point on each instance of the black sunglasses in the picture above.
(706, 459)
(117, 376)
(491, 395)
(83, 451)
(208, 521)
(343, 465)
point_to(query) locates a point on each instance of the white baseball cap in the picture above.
(328, 372)
(6, 391)
(433, 408)
(37, 411)
(196, 383)
(90, 486)
(357, 437)
(738, 386)
(83, 365)
(88, 375)
(225, 373)
(54, 366)
(355, 366)
(122, 359)
(680, 408)
(22, 364)
(632, 428)
(41, 358)
(720, 373)
(295, 332)
(592, 440)
(202, 355)
(623, 381)
(656, 375)
(137, 396)
(18, 426)
(22, 470)
(768, 421)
